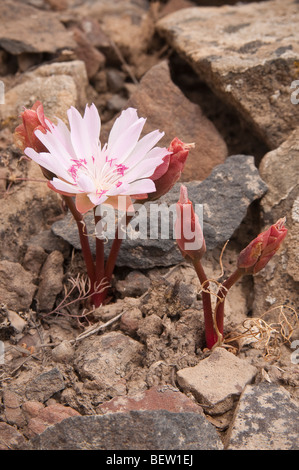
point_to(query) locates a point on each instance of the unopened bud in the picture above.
(32, 120)
(169, 172)
(188, 230)
(257, 254)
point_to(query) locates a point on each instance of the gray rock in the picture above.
(225, 195)
(136, 430)
(247, 54)
(42, 387)
(265, 419)
(11, 438)
(277, 284)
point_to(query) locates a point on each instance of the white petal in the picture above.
(86, 183)
(114, 191)
(61, 132)
(96, 199)
(140, 187)
(79, 134)
(144, 169)
(126, 142)
(125, 120)
(55, 147)
(47, 161)
(93, 124)
(65, 187)
(143, 147)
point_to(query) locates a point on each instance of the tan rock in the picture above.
(37, 88)
(30, 197)
(277, 283)
(11, 438)
(28, 29)
(94, 60)
(16, 286)
(12, 405)
(58, 86)
(51, 281)
(217, 380)
(248, 54)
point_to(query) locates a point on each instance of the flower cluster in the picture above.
(82, 169)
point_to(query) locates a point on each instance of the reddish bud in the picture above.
(257, 254)
(188, 230)
(33, 120)
(169, 172)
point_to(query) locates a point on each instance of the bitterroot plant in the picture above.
(88, 174)
(250, 261)
(125, 169)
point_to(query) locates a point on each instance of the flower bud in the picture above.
(169, 172)
(257, 254)
(188, 232)
(33, 120)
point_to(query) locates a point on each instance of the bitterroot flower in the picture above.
(98, 174)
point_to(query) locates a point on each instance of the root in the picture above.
(83, 286)
(265, 335)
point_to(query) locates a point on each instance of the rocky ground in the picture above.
(135, 373)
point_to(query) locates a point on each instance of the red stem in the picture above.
(111, 261)
(98, 298)
(83, 240)
(210, 333)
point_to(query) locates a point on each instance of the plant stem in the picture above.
(83, 240)
(110, 263)
(221, 295)
(210, 333)
(100, 267)
(107, 271)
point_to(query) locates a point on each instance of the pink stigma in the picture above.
(121, 169)
(101, 192)
(110, 161)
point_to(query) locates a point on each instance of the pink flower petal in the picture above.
(79, 134)
(125, 143)
(125, 120)
(142, 147)
(47, 161)
(140, 187)
(66, 187)
(93, 123)
(62, 133)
